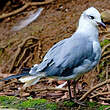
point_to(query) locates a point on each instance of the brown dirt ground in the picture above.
(57, 21)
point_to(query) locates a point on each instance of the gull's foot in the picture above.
(76, 101)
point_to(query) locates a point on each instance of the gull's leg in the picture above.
(74, 88)
(71, 99)
(69, 90)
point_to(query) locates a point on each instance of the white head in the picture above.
(91, 17)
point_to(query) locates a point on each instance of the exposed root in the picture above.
(107, 78)
(105, 99)
(24, 7)
(105, 47)
(5, 85)
(105, 53)
(107, 57)
(100, 94)
(93, 88)
(15, 12)
(25, 61)
(51, 89)
(21, 52)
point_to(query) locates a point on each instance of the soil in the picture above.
(57, 21)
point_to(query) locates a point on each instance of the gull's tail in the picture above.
(25, 72)
(31, 79)
(26, 78)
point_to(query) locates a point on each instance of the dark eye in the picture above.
(91, 17)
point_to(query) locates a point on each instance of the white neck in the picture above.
(88, 28)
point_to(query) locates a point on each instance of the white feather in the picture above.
(27, 78)
(31, 82)
(27, 21)
(62, 85)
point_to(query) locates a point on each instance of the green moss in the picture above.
(38, 104)
(102, 64)
(42, 104)
(105, 42)
(8, 101)
(69, 103)
(92, 104)
(31, 103)
(51, 106)
(103, 107)
(101, 76)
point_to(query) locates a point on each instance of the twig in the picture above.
(41, 3)
(106, 37)
(15, 12)
(4, 85)
(107, 78)
(24, 63)
(107, 57)
(19, 51)
(26, 59)
(98, 68)
(20, 59)
(106, 46)
(93, 88)
(99, 94)
(51, 89)
(14, 60)
(105, 99)
(24, 7)
(105, 53)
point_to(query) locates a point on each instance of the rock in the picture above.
(105, 15)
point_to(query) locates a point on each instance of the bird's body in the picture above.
(72, 56)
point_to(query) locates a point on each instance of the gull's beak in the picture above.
(101, 24)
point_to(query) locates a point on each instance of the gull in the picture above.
(72, 57)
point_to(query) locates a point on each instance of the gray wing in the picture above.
(54, 50)
(67, 53)
(74, 53)
(48, 58)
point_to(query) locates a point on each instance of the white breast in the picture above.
(97, 49)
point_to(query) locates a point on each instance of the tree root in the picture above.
(107, 78)
(105, 99)
(24, 63)
(100, 94)
(5, 85)
(93, 88)
(105, 47)
(24, 7)
(51, 89)
(20, 53)
(105, 53)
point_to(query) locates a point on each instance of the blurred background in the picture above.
(27, 46)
